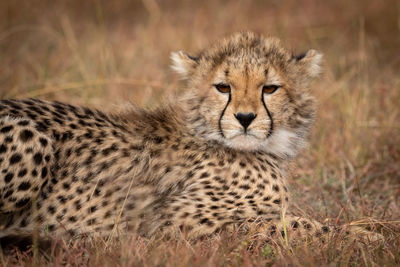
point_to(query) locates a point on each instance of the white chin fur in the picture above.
(282, 143)
(244, 142)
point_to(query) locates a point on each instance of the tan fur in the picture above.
(185, 167)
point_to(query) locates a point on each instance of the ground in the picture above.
(101, 54)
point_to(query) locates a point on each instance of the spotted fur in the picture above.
(190, 166)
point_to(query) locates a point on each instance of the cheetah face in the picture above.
(250, 94)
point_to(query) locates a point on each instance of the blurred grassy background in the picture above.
(104, 53)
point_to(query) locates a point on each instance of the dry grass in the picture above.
(103, 53)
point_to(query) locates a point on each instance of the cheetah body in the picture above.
(194, 166)
(102, 169)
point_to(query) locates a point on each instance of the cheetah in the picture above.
(216, 158)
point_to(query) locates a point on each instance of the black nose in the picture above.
(245, 118)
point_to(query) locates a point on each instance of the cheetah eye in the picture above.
(271, 88)
(223, 88)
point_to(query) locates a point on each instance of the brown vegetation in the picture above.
(102, 53)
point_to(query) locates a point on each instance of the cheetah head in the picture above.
(249, 93)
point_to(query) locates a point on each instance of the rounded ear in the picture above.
(310, 62)
(183, 64)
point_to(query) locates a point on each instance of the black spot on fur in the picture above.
(110, 149)
(261, 186)
(15, 158)
(23, 223)
(62, 199)
(277, 201)
(6, 129)
(8, 193)
(21, 203)
(8, 177)
(203, 221)
(66, 186)
(43, 141)
(26, 135)
(23, 123)
(51, 209)
(158, 139)
(245, 187)
(37, 158)
(92, 209)
(204, 175)
(8, 139)
(24, 186)
(67, 136)
(295, 225)
(272, 230)
(41, 127)
(77, 204)
(44, 172)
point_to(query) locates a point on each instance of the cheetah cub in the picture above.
(217, 157)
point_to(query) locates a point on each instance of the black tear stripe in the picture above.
(222, 114)
(271, 127)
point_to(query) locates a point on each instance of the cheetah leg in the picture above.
(287, 226)
(292, 227)
(25, 157)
